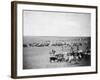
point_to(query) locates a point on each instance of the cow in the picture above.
(53, 58)
(25, 45)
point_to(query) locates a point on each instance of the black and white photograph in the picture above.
(71, 50)
(53, 39)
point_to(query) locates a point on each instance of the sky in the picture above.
(47, 23)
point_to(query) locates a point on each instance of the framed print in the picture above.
(50, 39)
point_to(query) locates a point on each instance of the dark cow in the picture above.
(53, 59)
(25, 45)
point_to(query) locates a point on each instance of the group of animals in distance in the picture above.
(72, 56)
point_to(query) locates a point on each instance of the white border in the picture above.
(30, 72)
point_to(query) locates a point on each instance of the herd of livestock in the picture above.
(64, 56)
(73, 57)
(45, 43)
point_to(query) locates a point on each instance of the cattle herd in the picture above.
(45, 43)
(37, 44)
(71, 55)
